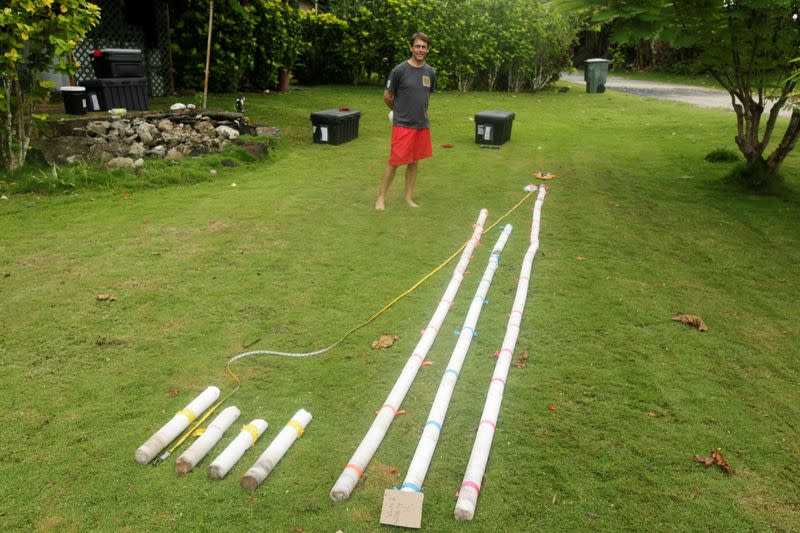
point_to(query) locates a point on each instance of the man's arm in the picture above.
(388, 98)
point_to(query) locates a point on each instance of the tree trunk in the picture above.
(786, 145)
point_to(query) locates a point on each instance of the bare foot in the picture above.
(379, 205)
(411, 203)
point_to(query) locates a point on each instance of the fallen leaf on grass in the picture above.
(448, 145)
(715, 459)
(654, 415)
(299, 529)
(522, 362)
(692, 320)
(552, 408)
(392, 470)
(555, 497)
(106, 298)
(593, 516)
(580, 258)
(252, 500)
(173, 393)
(384, 341)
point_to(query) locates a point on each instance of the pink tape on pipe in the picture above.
(471, 484)
(487, 421)
(501, 380)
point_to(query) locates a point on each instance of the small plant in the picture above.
(722, 155)
(753, 177)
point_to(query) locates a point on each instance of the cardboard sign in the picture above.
(402, 508)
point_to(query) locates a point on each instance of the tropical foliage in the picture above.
(489, 44)
(748, 46)
(35, 36)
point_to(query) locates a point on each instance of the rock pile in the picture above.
(125, 142)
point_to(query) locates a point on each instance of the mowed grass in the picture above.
(636, 229)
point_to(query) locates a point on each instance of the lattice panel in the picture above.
(116, 31)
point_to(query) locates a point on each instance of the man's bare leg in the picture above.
(411, 180)
(388, 177)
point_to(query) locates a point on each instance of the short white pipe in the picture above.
(276, 450)
(210, 437)
(161, 438)
(433, 427)
(471, 485)
(369, 444)
(250, 433)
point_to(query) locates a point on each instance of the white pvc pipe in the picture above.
(210, 437)
(433, 427)
(471, 486)
(250, 433)
(161, 438)
(276, 450)
(363, 455)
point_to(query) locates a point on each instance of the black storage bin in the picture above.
(129, 93)
(335, 126)
(118, 63)
(74, 100)
(493, 127)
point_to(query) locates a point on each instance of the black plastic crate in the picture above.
(118, 63)
(74, 100)
(129, 93)
(335, 126)
(493, 127)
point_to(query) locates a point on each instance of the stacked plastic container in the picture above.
(121, 81)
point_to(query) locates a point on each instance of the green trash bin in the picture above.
(595, 74)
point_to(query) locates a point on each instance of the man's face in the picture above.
(419, 50)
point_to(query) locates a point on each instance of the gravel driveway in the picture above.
(688, 94)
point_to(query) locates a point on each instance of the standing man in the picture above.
(407, 91)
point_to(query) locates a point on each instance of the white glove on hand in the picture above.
(391, 116)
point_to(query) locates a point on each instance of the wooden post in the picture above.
(208, 52)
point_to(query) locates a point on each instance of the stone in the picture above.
(227, 163)
(159, 151)
(98, 127)
(137, 150)
(138, 163)
(268, 131)
(145, 135)
(165, 124)
(177, 106)
(121, 162)
(204, 126)
(174, 153)
(56, 153)
(258, 149)
(121, 127)
(226, 132)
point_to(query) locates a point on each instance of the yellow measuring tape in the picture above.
(402, 295)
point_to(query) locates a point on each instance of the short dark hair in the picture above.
(421, 37)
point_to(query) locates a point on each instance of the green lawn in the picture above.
(636, 229)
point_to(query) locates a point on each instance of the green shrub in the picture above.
(751, 176)
(722, 155)
(278, 42)
(233, 43)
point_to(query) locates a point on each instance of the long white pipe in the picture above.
(471, 486)
(161, 438)
(363, 455)
(433, 427)
(211, 436)
(292, 431)
(235, 450)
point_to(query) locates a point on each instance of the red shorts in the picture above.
(409, 145)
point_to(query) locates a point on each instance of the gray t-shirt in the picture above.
(411, 87)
